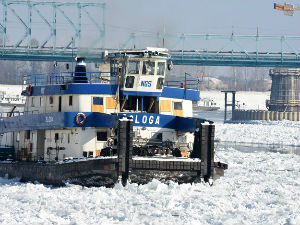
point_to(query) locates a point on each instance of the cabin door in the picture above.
(40, 144)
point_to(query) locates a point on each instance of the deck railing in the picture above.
(102, 78)
(182, 82)
(70, 77)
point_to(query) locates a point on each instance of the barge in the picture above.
(126, 120)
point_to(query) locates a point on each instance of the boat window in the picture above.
(133, 67)
(101, 136)
(76, 138)
(59, 103)
(161, 68)
(178, 105)
(32, 101)
(27, 134)
(129, 82)
(160, 83)
(56, 137)
(51, 100)
(84, 154)
(148, 68)
(157, 136)
(151, 104)
(97, 101)
(70, 100)
(115, 67)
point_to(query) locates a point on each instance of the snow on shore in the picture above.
(258, 188)
(244, 99)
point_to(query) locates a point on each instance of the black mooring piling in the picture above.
(125, 140)
(204, 149)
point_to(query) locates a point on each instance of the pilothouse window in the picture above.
(161, 68)
(101, 136)
(97, 101)
(160, 83)
(129, 82)
(70, 100)
(178, 105)
(148, 68)
(115, 67)
(134, 67)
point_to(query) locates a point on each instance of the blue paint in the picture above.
(93, 119)
(168, 92)
(163, 121)
(152, 120)
(142, 103)
(110, 89)
(181, 93)
(56, 120)
(59, 120)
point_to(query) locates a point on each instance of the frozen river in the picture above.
(261, 186)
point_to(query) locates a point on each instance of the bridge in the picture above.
(33, 31)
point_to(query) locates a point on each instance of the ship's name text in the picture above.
(146, 119)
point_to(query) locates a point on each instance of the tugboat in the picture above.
(72, 115)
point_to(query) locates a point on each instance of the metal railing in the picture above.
(70, 77)
(182, 82)
(102, 78)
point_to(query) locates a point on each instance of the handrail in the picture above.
(70, 77)
(100, 78)
(182, 82)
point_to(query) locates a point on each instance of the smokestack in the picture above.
(80, 71)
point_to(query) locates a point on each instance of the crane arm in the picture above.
(285, 7)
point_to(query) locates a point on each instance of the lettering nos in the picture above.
(146, 83)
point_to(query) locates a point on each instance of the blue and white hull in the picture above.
(73, 114)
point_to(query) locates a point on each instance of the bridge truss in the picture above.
(58, 31)
(226, 50)
(49, 30)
